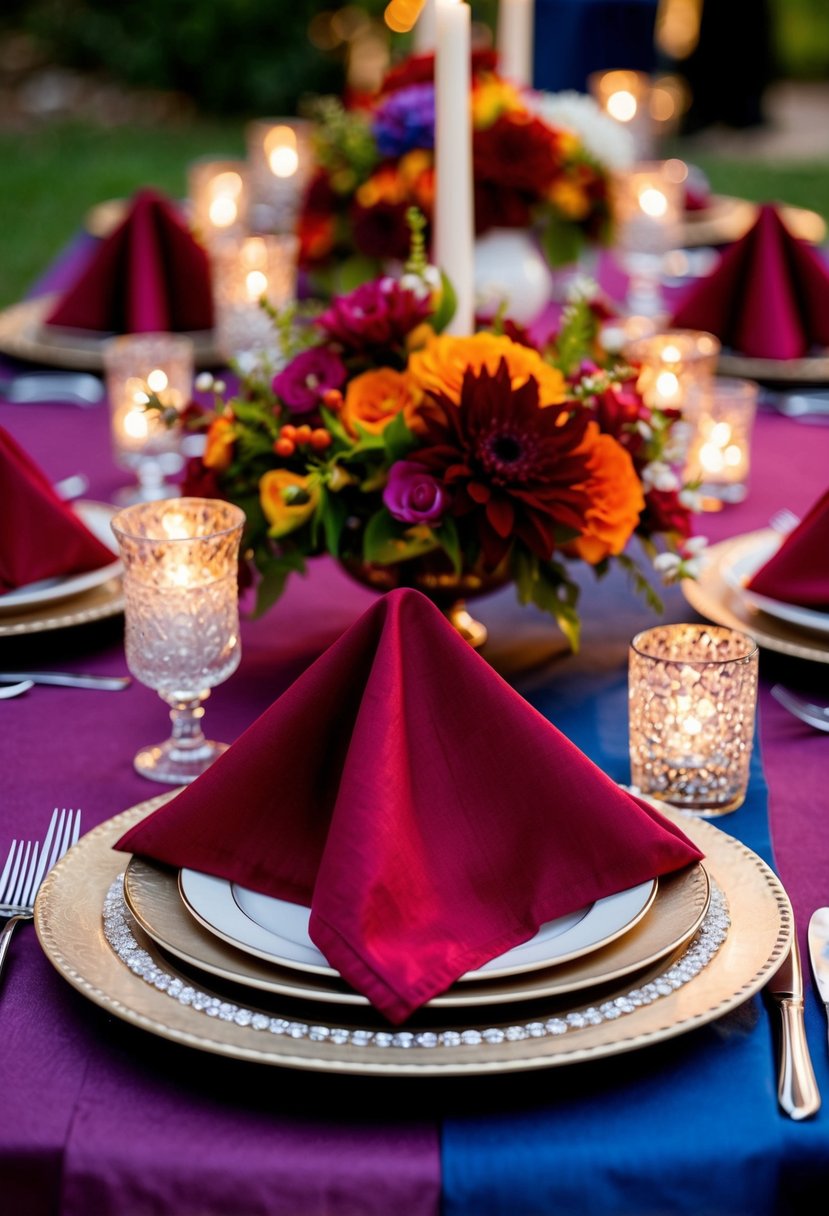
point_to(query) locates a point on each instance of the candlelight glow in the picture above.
(281, 151)
(622, 106)
(157, 380)
(667, 387)
(670, 354)
(256, 284)
(136, 423)
(175, 525)
(653, 202)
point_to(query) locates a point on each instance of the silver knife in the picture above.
(68, 679)
(74, 388)
(797, 1090)
(819, 952)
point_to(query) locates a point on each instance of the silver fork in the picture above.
(26, 866)
(815, 715)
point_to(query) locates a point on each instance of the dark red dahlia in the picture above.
(512, 468)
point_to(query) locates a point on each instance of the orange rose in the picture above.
(375, 397)
(616, 499)
(287, 499)
(218, 451)
(440, 365)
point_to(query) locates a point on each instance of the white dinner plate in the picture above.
(96, 516)
(277, 930)
(742, 562)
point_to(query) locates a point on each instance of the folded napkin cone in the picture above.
(40, 534)
(798, 571)
(427, 814)
(767, 298)
(150, 275)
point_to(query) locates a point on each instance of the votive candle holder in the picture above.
(722, 415)
(692, 693)
(280, 163)
(246, 271)
(217, 192)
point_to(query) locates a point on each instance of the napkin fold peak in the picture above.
(150, 275)
(767, 298)
(40, 535)
(798, 570)
(428, 815)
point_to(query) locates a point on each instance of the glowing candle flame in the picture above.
(653, 202)
(281, 151)
(622, 106)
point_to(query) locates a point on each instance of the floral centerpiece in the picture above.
(451, 464)
(540, 161)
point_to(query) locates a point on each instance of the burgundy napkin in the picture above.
(427, 814)
(149, 275)
(767, 298)
(798, 572)
(40, 535)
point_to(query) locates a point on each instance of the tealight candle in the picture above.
(625, 96)
(719, 457)
(692, 700)
(280, 163)
(245, 271)
(648, 203)
(672, 363)
(143, 369)
(218, 198)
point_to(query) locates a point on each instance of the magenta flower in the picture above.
(413, 495)
(376, 316)
(302, 384)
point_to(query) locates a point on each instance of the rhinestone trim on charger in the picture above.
(704, 945)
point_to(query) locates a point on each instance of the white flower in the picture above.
(603, 138)
(203, 382)
(695, 545)
(659, 476)
(582, 287)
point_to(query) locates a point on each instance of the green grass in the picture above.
(53, 175)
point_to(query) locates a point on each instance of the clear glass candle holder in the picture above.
(625, 96)
(672, 364)
(140, 368)
(280, 164)
(217, 192)
(181, 595)
(692, 693)
(648, 204)
(245, 271)
(722, 415)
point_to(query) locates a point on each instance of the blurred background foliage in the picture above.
(99, 97)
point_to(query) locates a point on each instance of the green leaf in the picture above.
(446, 307)
(398, 440)
(274, 573)
(385, 541)
(562, 241)
(547, 585)
(449, 540)
(641, 584)
(332, 513)
(353, 272)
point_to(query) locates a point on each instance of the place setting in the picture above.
(771, 583)
(457, 948)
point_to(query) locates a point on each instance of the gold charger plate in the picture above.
(727, 219)
(23, 335)
(69, 925)
(679, 905)
(94, 605)
(811, 369)
(712, 597)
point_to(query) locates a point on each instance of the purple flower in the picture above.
(414, 495)
(307, 377)
(375, 316)
(406, 120)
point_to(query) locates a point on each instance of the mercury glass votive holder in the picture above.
(280, 164)
(672, 364)
(722, 415)
(625, 96)
(244, 272)
(648, 202)
(692, 692)
(181, 593)
(142, 370)
(217, 192)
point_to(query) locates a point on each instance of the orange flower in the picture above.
(616, 499)
(439, 366)
(287, 499)
(218, 451)
(375, 397)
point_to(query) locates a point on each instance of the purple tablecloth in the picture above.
(100, 1117)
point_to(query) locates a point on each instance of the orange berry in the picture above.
(287, 431)
(284, 447)
(320, 439)
(332, 399)
(303, 434)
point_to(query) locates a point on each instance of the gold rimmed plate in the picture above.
(24, 334)
(68, 921)
(727, 218)
(713, 598)
(152, 895)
